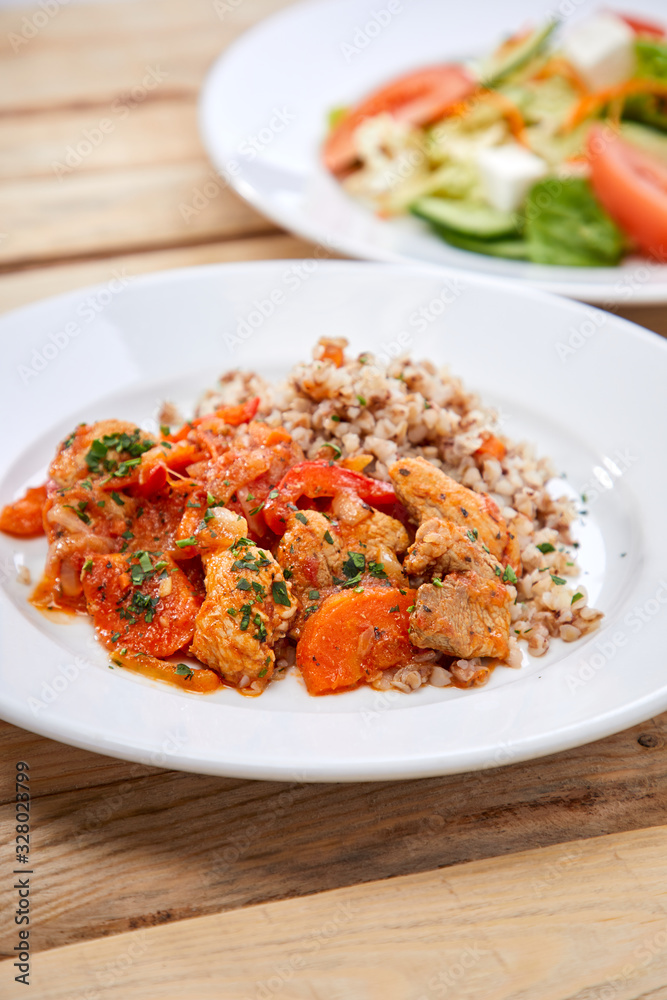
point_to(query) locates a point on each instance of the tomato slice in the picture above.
(319, 479)
(24, 517)
(416, 98)
(355, 636)
(641, 26)
(632, 186)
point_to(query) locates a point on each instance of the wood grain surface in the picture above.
(122, 852)
(535, 926)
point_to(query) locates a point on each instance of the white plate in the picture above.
(600, 412)
(263, 112)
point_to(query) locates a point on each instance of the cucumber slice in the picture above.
(469, 218)
(531, 46)
(510, 249)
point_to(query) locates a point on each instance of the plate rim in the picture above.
(566, 736)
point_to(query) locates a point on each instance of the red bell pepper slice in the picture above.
(320, 479)
(232, 415)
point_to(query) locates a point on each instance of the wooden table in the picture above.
(538, 881)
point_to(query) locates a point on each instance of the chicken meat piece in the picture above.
(322, 554)
(248, 604)
(427, 493)
(96, 449)
(442, 547)
(467, 616)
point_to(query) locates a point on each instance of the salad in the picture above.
(552, 149)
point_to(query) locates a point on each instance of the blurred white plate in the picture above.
(263, 117)
(586, 387)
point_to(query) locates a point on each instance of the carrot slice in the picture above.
(355, 636)
(24, 517)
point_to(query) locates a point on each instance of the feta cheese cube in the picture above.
(507, 173)
(602, 50)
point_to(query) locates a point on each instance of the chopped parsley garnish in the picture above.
(127, 534)
(243, 584)
(301, 517)
(314, 595)
(165, 430)
(78, 510)
(273, 494)
(497, 570)
(262, 672)
(486, 549)
(393, 610)
(183, 670)
(473, 534)
(191, 504)
(259, 590)
(509, 576)
(353, 568)
(261, 628)
(69, 440)
(288, 574)
(137, 575)
(336, 449)
(232, 612)
(88, 566)
(115, 637)
(145, 561)
(362, 401)
(101, 503)
(246, 611)
(577, 597)
(376, 569)
(545, 547)
(257, 509)
(183, 544)
(280, 595)
(335, 417)
(437, 582)
(117, 498)
(558, 580)
(328, 538)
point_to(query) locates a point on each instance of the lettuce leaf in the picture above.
(651, 109)
(565, 224)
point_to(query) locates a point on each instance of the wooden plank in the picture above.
(89, 53)
(250, 842)
(45, 145)
(18, 288)
(112, 212)
(585, 920)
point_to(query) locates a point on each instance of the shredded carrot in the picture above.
(593, 103)
(507, 108)
(559, 66)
